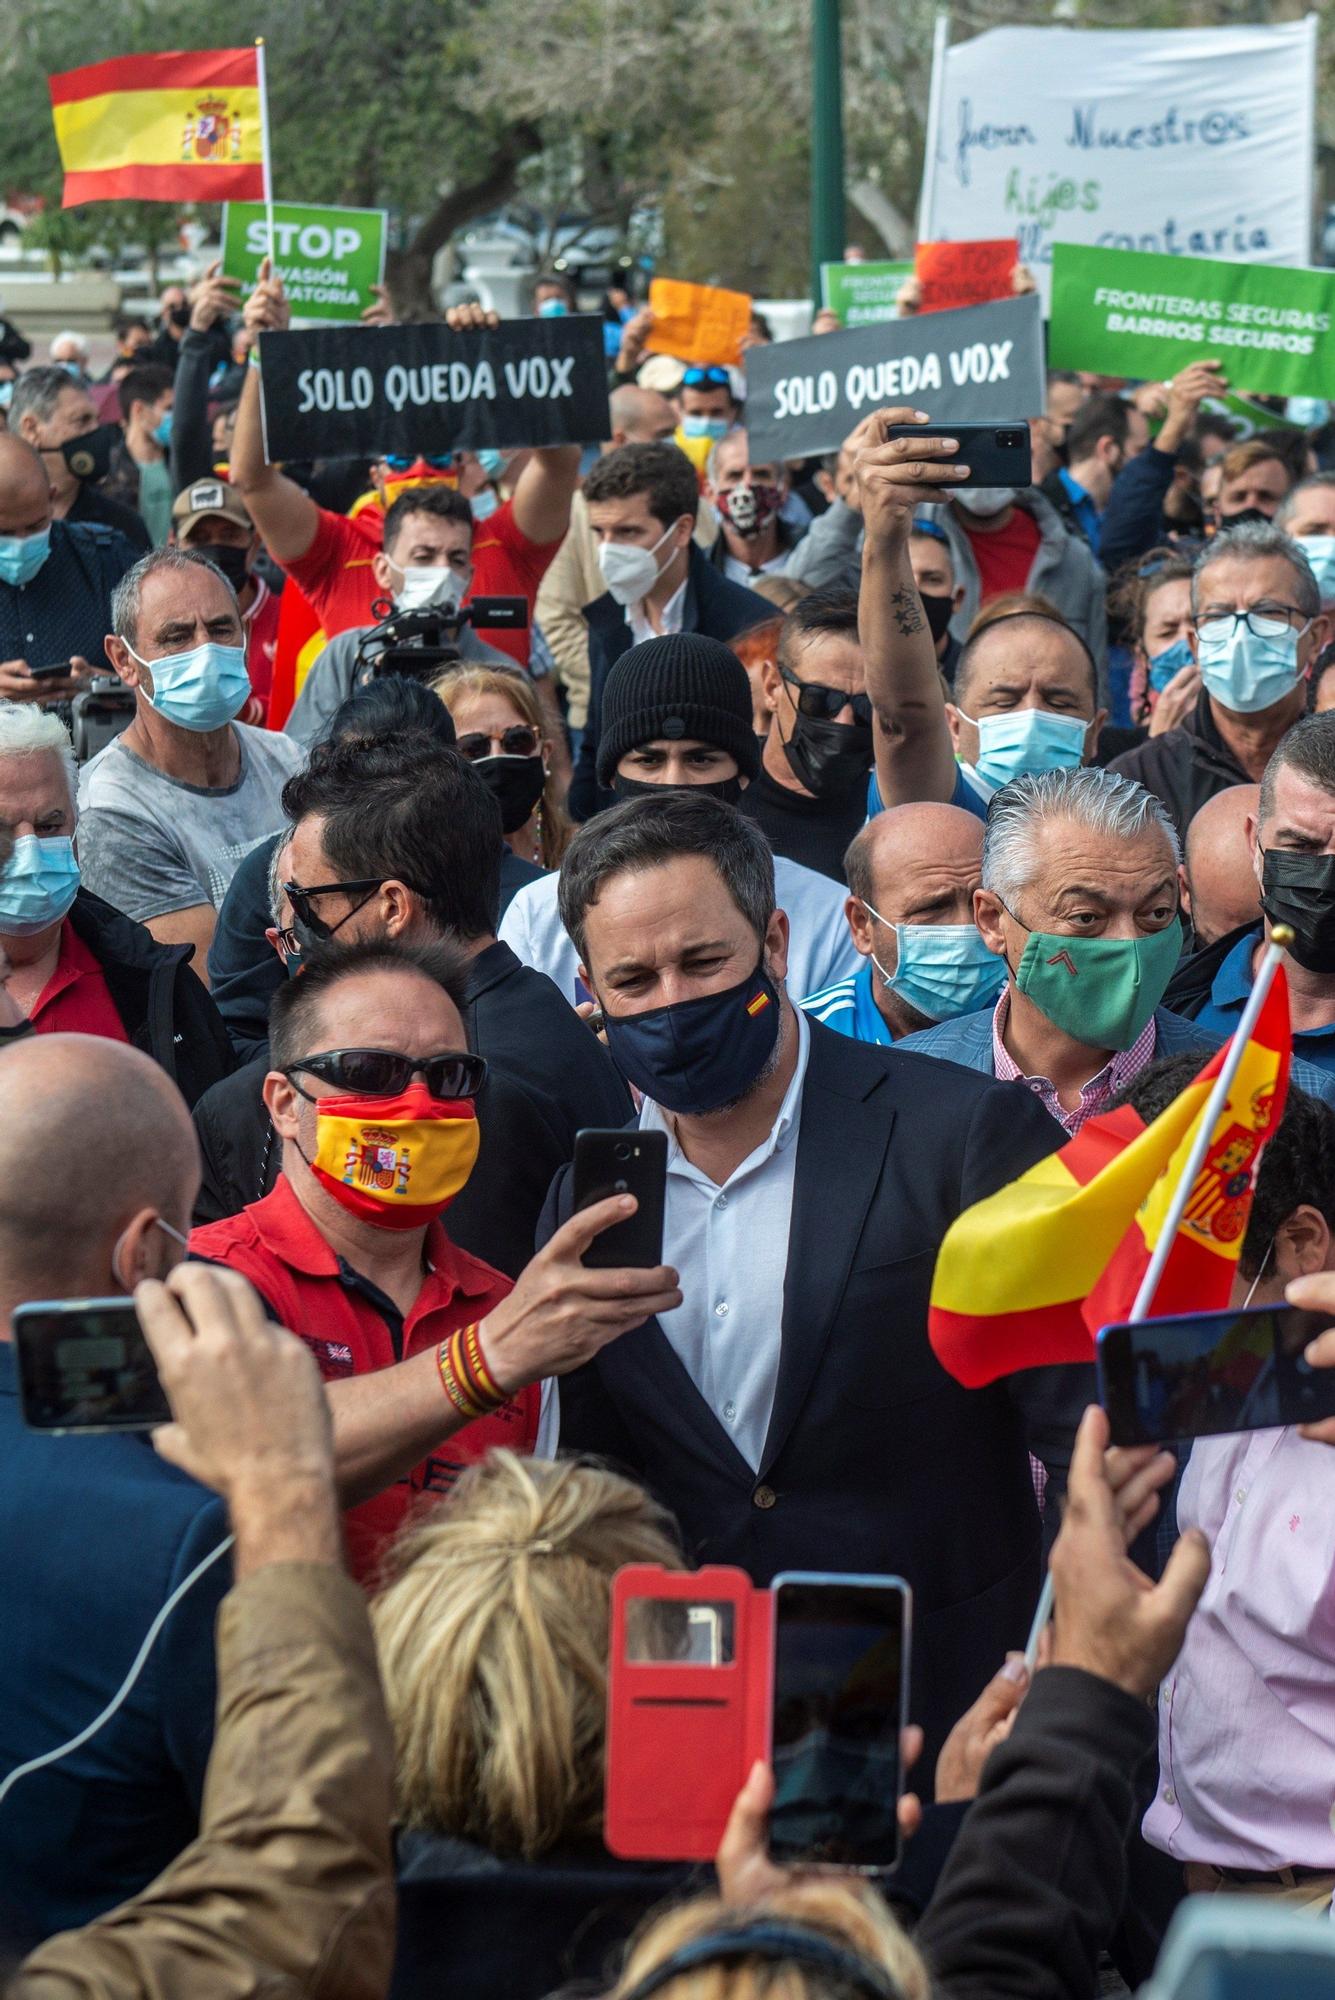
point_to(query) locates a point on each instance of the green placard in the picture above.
(862, 294)
(328, 258)
(1128, 312)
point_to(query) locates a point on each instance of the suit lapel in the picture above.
(650, 1367)
(847, 1119)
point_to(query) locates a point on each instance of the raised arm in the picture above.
(914, 756)
(286, 517)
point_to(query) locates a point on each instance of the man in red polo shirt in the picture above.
(328, 556)
(72, 963)
(371, 1092)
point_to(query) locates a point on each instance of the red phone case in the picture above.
(682, 1736)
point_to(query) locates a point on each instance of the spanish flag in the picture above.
(1028, 1276)
(165, 127)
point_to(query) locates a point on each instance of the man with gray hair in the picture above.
(1080, 901)
(172, 805)
(789, 1408)
(55, 415)
(1259, 628)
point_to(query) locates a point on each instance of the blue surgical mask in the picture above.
(6, 394)
(1171, 661)
(200, 690)
(37, 885)
(21, 556)
(1308, 412)
(553, 309)
(942, 969)
(699, 1055)
(162, 431)
(1027, 739)
(705, 427)
(491, 461)
(1320, 552)
(1243, 673)
(485, 503)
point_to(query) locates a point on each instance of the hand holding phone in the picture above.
(84, 1365)
(619, 1162)
(995, 454)
(1208, 1374)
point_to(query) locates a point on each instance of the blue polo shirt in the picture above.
(1082, 506)
(849, 1007)
(1228, 996)
(970, 793)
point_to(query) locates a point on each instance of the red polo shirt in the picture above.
(335, 576)
(352, 1329)
(75, 999)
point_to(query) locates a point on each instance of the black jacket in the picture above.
(1053, 488)
(875, 1459)
(1185, 766)
(1189, 988)
(166, 1010)
(713, 605)
(92, 505)
(549, 1075)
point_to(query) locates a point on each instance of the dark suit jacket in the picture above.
(876, 1459)
(95, 1534)
(549, 1075)
(714, 605)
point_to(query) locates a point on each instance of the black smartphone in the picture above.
(84, 1365)
(1205, 1374)
(625, 1161)
(840, 1702)
(996, 454)
(57, 670)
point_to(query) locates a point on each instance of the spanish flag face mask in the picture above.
(395, 1162)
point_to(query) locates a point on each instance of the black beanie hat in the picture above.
(684, 687)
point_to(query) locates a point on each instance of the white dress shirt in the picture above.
(729, 1248)
(670, 616)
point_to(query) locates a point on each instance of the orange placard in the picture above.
(964, 274)
(698, 323)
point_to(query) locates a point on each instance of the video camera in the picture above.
(420, 643)
(98, 713)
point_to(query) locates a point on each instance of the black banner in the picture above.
(978, 365)
(361, 391)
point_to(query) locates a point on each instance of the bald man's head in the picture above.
(95, 1140)
(25, 490)
(640, 416)
(1220, 890)
(915, 865)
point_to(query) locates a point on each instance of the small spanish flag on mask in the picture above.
(757, 1004)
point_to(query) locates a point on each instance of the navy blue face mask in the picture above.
(698, 1055)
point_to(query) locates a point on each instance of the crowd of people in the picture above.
(863, 832)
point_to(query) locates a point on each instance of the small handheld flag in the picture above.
(178, 126)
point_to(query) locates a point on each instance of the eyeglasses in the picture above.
(519, 741)
(383, 1073)
(300, 900)
(440, 461)
(815, 700)
(1263, 621)
(712, 377)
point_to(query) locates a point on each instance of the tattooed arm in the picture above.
(914, 756)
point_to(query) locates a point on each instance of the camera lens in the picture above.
(622, 1152)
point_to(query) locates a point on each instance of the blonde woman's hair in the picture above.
(492, 1633)
(458, 683)
(848, 1915)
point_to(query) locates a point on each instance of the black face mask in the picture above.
(1240, 520)
(1299, 890)
(228, 558)
(179, 316)
(89, 457)
(516, 784)
(726, 790)
(829, 757)
(939, 611)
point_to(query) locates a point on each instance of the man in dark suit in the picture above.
(791, 1411)
(642, 501)
(99, 1169)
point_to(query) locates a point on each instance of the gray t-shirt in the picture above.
(329, 682)
(149, 844)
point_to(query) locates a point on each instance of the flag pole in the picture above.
(263, 80)
(1280, 936)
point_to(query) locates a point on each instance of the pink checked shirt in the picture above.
(1247, 1715)
(1097, 1094)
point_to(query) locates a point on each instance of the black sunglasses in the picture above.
(300, 900)
(519, 741)
(382, 1073)
(814, 699)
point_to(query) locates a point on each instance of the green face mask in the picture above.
(1099, 991)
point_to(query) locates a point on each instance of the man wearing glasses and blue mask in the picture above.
(1259, 628)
